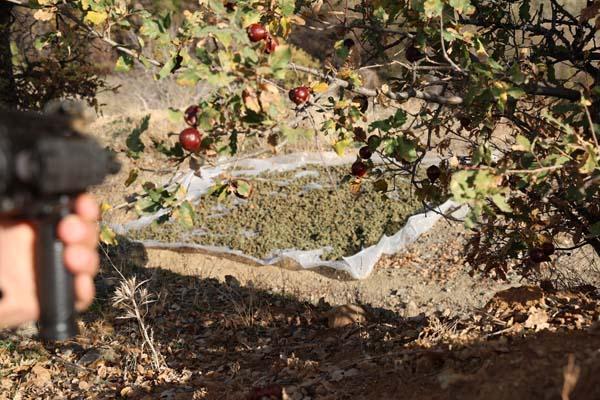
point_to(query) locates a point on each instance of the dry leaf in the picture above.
(345, 315)
(45, 14)
(251, 100)
(538, 319)
(40, 376)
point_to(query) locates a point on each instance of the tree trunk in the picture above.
(8, 95)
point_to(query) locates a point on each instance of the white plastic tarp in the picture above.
(358, 266)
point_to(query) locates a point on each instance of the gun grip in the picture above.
(56, 291)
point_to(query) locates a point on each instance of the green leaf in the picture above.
(280, 59)
(395, 121)
(216, 6)
(243, 188)
(152, 29)
(380, 14)
(524, 11)
(188, 77)
(482, 155)
(39, 43)
(225, 37)
(341, 145)
(433, 8)
(522, 144)
(591, 162)
(340, 50)
(124, 64)
(175, 151)
(185, 215)
(407, 149)
(220, 79)
(380, 185)
(108, 236)
(133, 175)
(516, 93)
(595, 229)
(516, 75)
(500, 201)
(461, 186)
(293, 135)
(133, 141)
(460, 5)
(287, 7)
(484, 182)
(167, 68)
(175, 115)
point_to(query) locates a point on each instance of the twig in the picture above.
(446, 56)
(591, 123)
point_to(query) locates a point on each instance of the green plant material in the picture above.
(285, 213)
(135, 146)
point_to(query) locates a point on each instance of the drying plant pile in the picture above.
(299, 210)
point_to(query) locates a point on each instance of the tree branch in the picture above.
(550, 91)
(430, 97)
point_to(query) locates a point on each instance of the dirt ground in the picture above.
(203, 326)
(421, 327)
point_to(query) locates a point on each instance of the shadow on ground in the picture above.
(217, 340)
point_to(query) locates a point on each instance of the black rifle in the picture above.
(44, 164)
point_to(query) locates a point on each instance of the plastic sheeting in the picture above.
(358, 266)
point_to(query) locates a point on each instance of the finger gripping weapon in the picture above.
(44, 165)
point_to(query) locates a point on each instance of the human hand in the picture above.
(79, 233)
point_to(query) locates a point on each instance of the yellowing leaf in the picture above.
(251, 100)
(96, 17)
(433, 8)
(108, 236)
(104, 207)
(340, 146)
(320, 87)
(185, 214)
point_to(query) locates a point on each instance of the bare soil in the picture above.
(420, 327)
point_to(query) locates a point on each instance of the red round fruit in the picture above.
(548, 248)
(257, 32)
(433, 173)
(190, 139)
(190, 116)
(359, 169)
(270, 44)
(365, 152)
(299, 95)
(537, 255)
